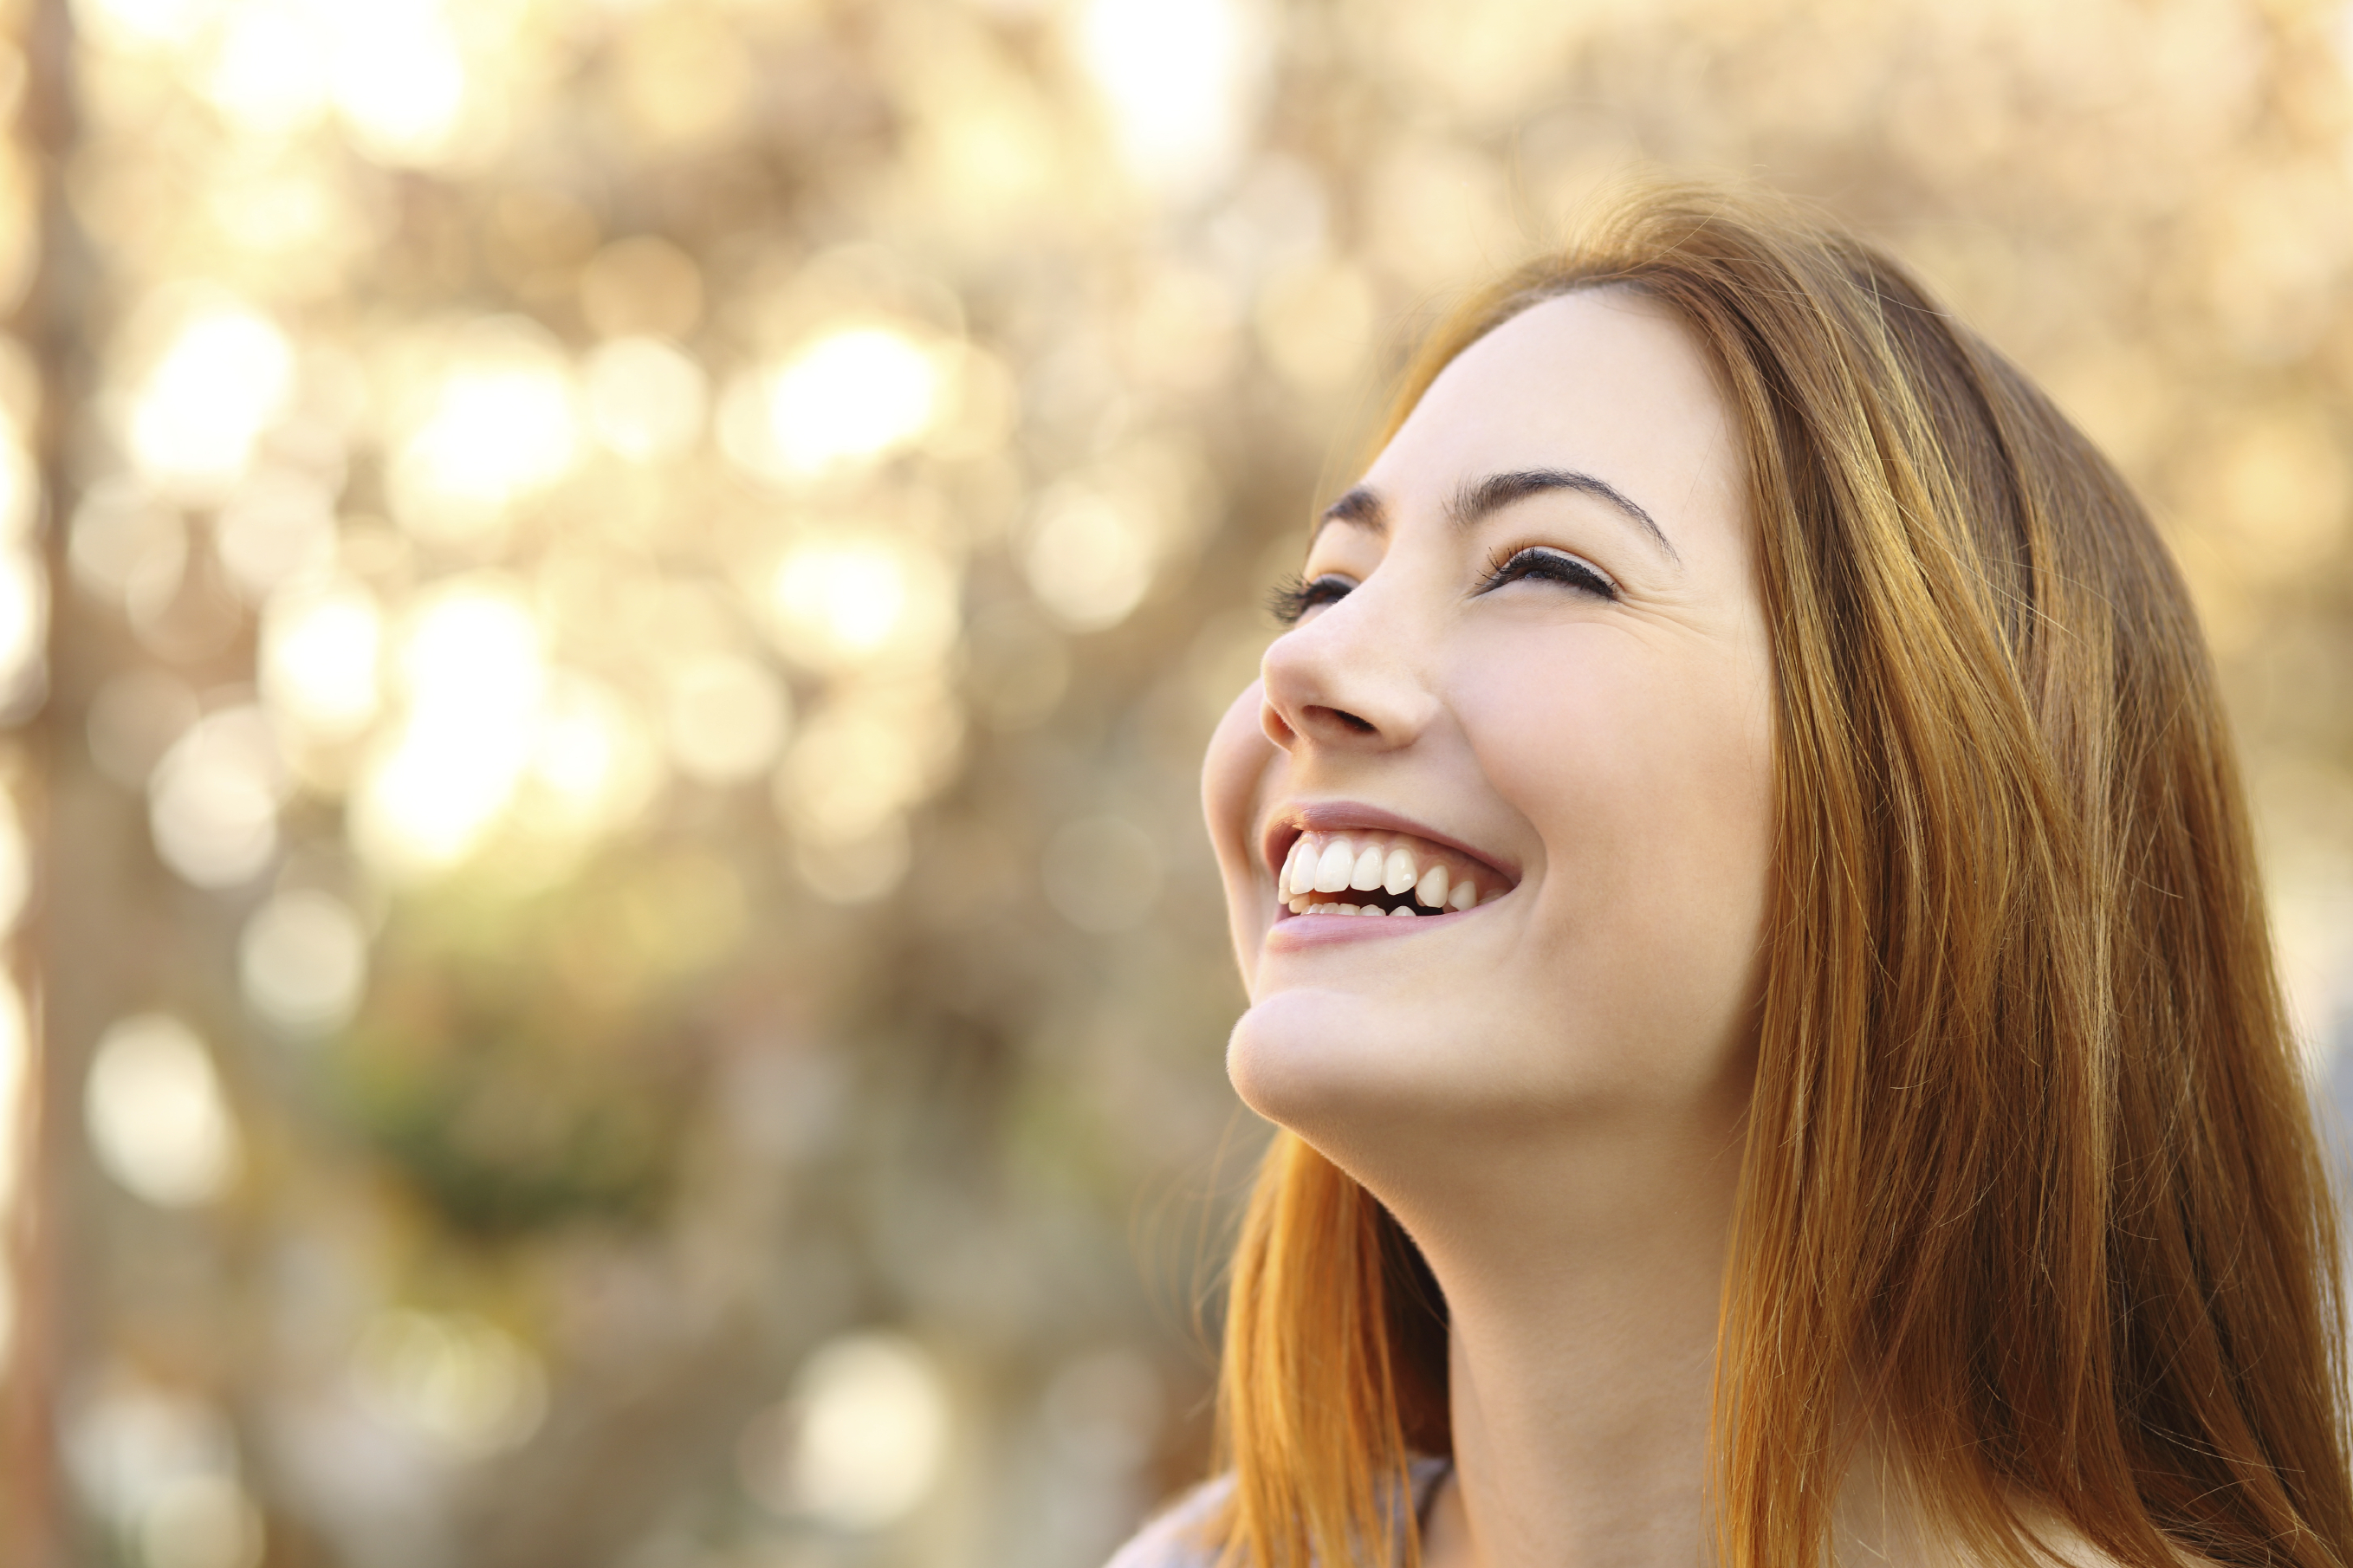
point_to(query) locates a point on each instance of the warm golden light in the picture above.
(841, 603)
(593, 765)
(638, 578)
(149, 23)
(302, 962)
(726, 719)
(859, 762)
(213, 801)
(645, 398)
(319, 656)
(24, 616)
(847, 398)
(1090, 557)
(278, 526)
(399, 79)
(270, 65)
(472, 673)
(1172, 73)
(502, 423)
(157, 1117)
(859, 1444)
(221, 379)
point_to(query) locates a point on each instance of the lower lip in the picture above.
(1293, 931)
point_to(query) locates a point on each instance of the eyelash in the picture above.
(1293, 598)
(1551, 565)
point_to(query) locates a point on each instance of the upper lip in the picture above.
(1287, 823)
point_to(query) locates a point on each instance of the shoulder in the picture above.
(1176, 1537)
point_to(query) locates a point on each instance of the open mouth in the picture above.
(1385, 874)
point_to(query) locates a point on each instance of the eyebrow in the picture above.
(1363, 507)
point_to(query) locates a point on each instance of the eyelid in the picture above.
(1502, 559)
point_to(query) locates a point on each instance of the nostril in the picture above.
(1272, 724)
(1348, 720)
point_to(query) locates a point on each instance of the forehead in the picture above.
(1605, 380)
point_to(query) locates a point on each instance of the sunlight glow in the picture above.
(471, 666)
(158, 1120)
(280, 525)
(645, 398)
(1090, 558)
(149, 23)
(213, 801)
(399, 80)
(302, 962)
(501, 426)
(221, 382)
(120, 532)
(859, 1443)
(864, 758)
(592, 765)
(849, 398)
(392, 69)
(319, 651)
(266, 74)
(840, 602)
(1171, 73)
(725, 720)
(23, 614)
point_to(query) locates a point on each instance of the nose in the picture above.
(1345, 681)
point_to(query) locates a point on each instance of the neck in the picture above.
(1583, 1285)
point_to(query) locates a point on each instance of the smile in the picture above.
(1381, 874)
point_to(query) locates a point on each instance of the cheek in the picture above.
(1650, 788)
(1596, 733)
(1234, 775)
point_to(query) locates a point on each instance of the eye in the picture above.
(1291, 600)
(1546, 563)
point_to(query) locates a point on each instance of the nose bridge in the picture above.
(1353, 676)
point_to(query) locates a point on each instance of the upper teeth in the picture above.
(1390, 863)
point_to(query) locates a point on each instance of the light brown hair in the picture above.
(2031, 1184)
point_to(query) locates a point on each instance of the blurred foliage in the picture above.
(609, 607)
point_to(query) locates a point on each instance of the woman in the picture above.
(1753, 946)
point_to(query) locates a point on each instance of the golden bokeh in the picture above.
(607, 606)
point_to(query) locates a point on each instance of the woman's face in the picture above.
(1529, 698)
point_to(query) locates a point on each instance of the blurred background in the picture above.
(607, 610)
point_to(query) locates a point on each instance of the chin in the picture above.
(1356, 1079)
(1304, 1055)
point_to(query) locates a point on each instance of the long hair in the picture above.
(2030, 1193)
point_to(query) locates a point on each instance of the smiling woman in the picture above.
(1829, 1099)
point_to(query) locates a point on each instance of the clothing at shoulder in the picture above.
(1176, 1537)
(1173, 1538)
